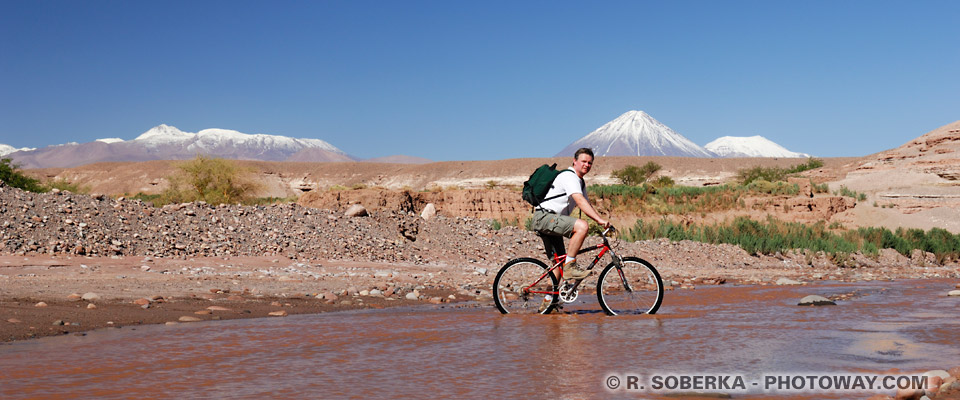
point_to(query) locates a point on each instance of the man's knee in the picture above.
(580, 226)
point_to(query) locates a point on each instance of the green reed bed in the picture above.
(648, 199)
(772, 236)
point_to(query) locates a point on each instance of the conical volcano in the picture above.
(636, 133)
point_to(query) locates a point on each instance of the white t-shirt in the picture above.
(566, 183)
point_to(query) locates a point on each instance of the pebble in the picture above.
(171, 323)
(58, 322)
(203, 312)
(141, 302)
(218, 308)
(364, 292)
(953, 293)
(814, 300)
(280, 313)
(14, 321)
(40, 304)
(75, 297)
(91, 306)
(327, 297)
(187, 318)
(414, 295)
(90, 296)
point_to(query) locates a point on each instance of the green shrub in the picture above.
(775, 174)
(213, 180)
(633, 175)
(821, 188)
(663, 182)
(776, 188)
(11, 175)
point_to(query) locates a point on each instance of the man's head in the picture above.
(582, 161)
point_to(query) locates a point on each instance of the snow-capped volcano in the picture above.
(166, 142)
(752, 146)
(636, 133)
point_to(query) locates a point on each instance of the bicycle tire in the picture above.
(516, 274)
(646, 288)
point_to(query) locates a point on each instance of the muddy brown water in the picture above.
(909, 326)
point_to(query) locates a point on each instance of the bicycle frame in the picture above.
(559, 259)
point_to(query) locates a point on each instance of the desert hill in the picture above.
(916, 185)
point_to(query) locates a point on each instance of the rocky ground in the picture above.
(180, 259)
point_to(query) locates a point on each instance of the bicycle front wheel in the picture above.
(633, 287)
(521, 286)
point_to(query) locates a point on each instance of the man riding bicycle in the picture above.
(552, 217)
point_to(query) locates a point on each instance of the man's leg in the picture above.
(580, 229)
(570, 269)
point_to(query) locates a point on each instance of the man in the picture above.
(552, 217)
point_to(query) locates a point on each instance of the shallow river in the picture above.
(476, 352)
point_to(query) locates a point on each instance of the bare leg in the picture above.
(580, 229)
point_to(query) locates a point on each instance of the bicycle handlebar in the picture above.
(608, 230)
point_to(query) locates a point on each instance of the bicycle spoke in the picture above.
(521, 286)
(633, 288)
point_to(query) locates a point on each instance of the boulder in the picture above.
(429, 211)
(814, 300)
(356, 210)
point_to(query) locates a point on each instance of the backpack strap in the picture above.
(559, 195)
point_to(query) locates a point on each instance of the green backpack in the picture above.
(535, 189)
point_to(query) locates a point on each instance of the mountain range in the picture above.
(636, 133)
(166, 142)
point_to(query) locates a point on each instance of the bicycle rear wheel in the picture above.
(521, 286)
(633, 288)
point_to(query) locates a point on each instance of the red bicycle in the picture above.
(627, 285)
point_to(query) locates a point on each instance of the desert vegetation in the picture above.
(633, 175)
(11, 175)
(211, 180)
(773, 236)
(776, 174)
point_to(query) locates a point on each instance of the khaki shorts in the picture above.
(551, 223)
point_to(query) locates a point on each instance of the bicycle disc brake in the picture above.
(566, 294)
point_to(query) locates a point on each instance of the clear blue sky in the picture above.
(481, 80)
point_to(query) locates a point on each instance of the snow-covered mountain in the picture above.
(7, 149)
(166, 142)
(752, 146)
(636, 133)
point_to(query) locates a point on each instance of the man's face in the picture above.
(582, 164)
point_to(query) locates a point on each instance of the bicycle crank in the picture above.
(567, 293)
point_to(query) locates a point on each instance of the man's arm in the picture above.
(588, 209)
